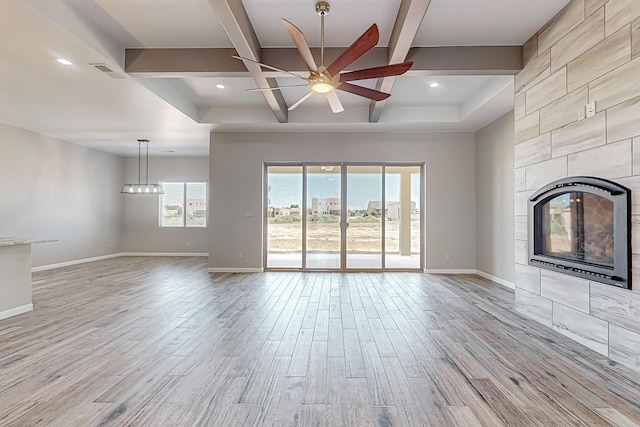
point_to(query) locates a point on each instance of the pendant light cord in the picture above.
(147, 165)
(139, 153)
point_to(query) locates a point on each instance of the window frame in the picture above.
(184, 205)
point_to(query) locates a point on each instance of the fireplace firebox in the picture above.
(581, 226)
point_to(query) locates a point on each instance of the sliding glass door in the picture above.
(324, 217)
(284, 233)
(403, 217)
(344, 217)
(364, 217)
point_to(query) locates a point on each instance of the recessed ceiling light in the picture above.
(434, 84)
(64, 61)
(220, 86)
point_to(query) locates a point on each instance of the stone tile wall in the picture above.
(590, 52)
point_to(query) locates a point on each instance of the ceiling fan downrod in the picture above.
(322, 7)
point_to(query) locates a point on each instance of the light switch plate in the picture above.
(582, 114)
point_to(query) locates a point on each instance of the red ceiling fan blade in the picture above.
(367, 41)
(375, 72)
(302, 45)
(372, 94)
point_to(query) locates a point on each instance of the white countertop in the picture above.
(13, 241)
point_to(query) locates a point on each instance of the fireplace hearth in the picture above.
(581, 226)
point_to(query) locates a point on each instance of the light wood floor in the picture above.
(160, 342)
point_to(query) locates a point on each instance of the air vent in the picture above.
(103, 68)
(108, 71)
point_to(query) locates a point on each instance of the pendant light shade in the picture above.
(142, 188)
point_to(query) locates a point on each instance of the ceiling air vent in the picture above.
(108, 71)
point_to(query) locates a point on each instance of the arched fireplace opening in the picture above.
(581, 226)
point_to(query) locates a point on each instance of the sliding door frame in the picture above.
(343, 213)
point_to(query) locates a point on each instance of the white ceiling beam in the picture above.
(407, 23)
(217, 62)
(235, 21)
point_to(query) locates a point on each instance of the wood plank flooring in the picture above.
(160, 342)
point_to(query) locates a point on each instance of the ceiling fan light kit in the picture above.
(323, 80)
(321, 84)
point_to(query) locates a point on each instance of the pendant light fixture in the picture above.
(141, 188)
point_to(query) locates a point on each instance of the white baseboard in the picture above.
(15, 311)
(235, 270)
(163, 254)
(74, 262)
(116, 255)
(498, 280)
(449, 271)
(487, 276)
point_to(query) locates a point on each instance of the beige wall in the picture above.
(236, 172)
(50, 189)
(494, 199)
(589, 53)
(58, 190)
(141, 231)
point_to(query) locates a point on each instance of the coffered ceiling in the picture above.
(168, 58)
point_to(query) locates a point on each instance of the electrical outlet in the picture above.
(582, 114)
(240, 255)
(446, 256)
(591, 109)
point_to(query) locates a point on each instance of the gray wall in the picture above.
(57, 190)
(495, 244)
(236, 172)
(141, 213)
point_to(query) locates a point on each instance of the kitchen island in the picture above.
(15, 275)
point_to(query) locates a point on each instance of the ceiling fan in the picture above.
(325, 80)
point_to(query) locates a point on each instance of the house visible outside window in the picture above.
(177, 196)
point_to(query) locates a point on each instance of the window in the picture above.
(177, 196)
